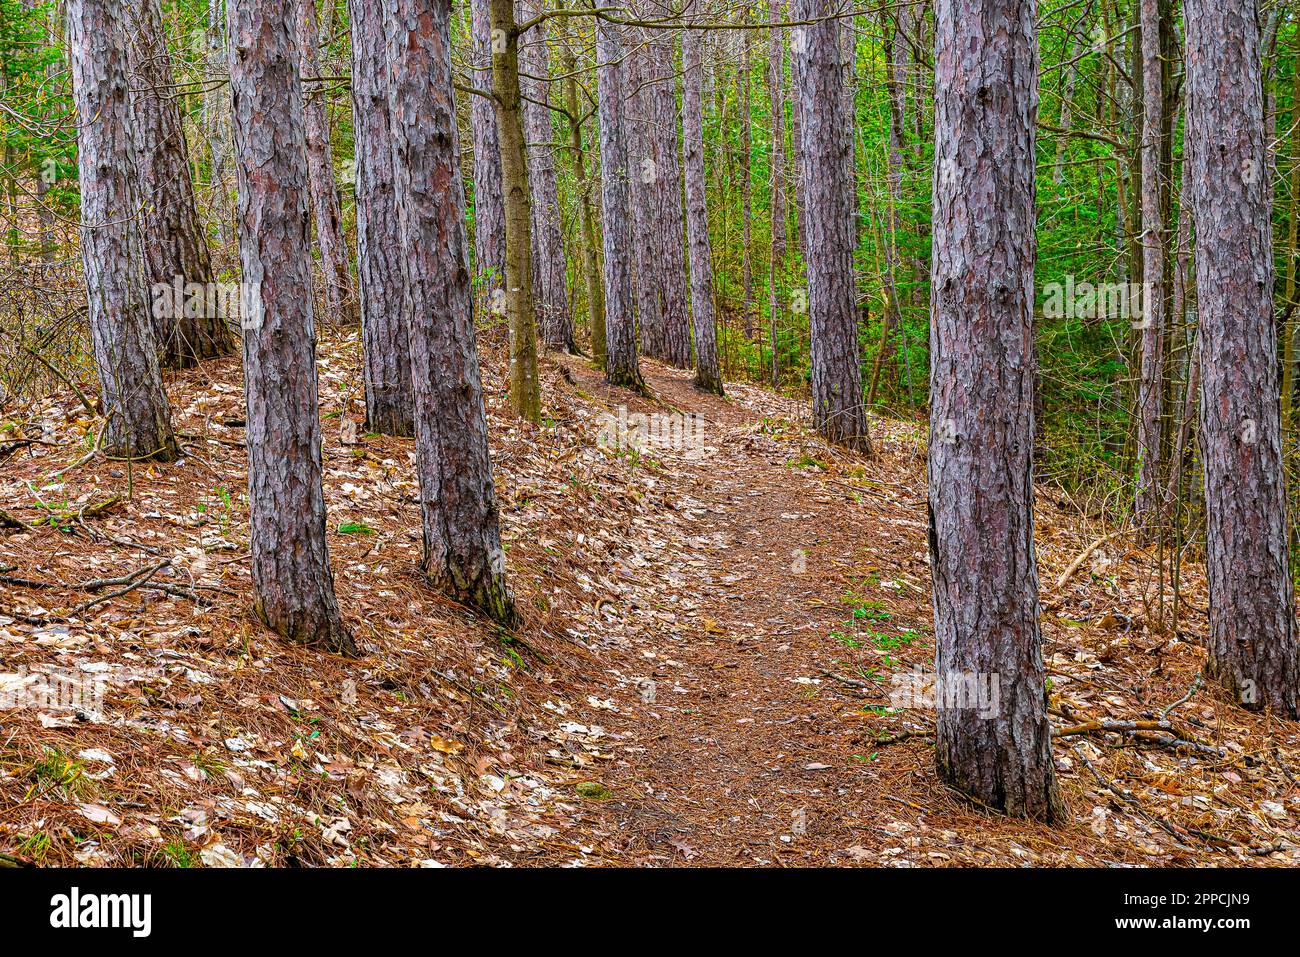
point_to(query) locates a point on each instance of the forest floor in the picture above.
(717, 631)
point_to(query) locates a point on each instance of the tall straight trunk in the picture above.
(982, 411)
(390, 400)
(175, 248)
(838, 410)
(1183, 295)
(216, 122)
(585, 186)
(489, 207)
(707, 375)
(461, 523)
(1292, 324)
(1253, 652)
(1067, 105)
(780, 201)
(550, 296)
(746, 185)
(621, 365)
(326, 211)
(292, 583)
(525, 397)
(136, 413)
(796, 139)
(670, 227)
(1151, 383)
(896, 87)
(647, 267)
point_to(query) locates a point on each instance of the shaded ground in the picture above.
(715, 629)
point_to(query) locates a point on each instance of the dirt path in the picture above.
(733, 745)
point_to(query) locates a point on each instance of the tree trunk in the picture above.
(175, 249)
(838, 411)
(648, 272)
(621, 366)
(134, 403)
(707, 375)
(462, 536)
(780, 197)
(326, 211)
(216, 121)
(1151, 383)
(550, 296)
(292, 582)
(525, 397)
(982, 411)
(590, 255)
(390, 401)
(746, 186)
(489, 208)
(1253, 650)
(670, 227)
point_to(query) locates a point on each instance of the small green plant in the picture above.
(177, 854)
(355, 528)
(34, 847)
(57, 773)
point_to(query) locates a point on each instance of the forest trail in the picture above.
(713, 632)
(738, 746)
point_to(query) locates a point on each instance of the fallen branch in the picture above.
(10, 521)
(140, 580)
(1083, 557)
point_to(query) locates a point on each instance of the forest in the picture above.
(657, 434)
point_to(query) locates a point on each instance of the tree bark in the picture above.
(707, 375)
(838, 410)
(647, 264)
(621, 365)
(780, 201)
(134, 403)
(670, 227)
(489, 208)
(525, 397)
(292, 582)
(1151, 384)
(550, 296)
(175, 249)
(326, 211)
(1252, 650)
(216, 121)
(390, 400)
(982, 409)
(462, 536)
(590, 253)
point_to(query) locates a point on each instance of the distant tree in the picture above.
(176, 252)
(390, 402)
(137, 418)
(621, 363)
(827, 158)
(707, 375)
(326, 212)
(489, 210)
(549, 290)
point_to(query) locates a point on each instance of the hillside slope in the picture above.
(717, 623)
